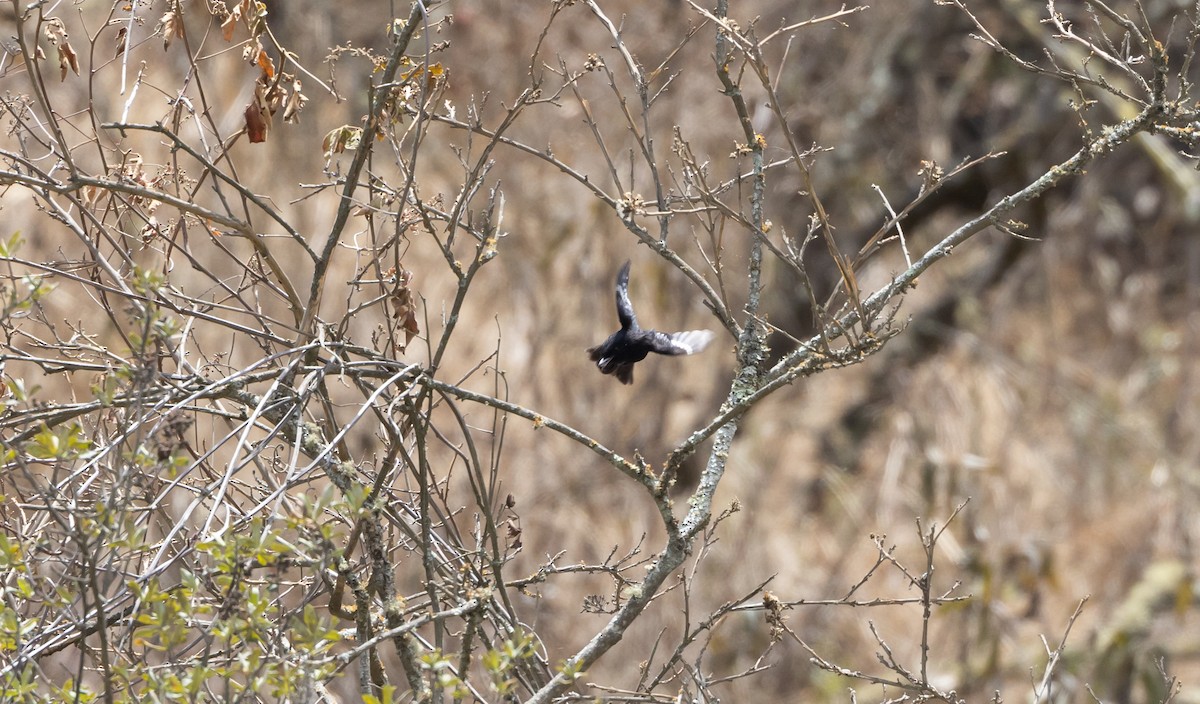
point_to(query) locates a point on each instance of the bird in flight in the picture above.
(631, 344)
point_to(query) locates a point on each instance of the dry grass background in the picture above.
(1052, 382)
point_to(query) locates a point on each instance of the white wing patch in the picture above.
(691, 341)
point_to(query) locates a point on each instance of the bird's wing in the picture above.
(624, 373)
(624, 306)
(689, 342)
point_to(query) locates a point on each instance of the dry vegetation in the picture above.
(1033, 411)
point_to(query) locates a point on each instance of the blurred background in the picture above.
(1050, 380)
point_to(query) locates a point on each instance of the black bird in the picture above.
(631, 344)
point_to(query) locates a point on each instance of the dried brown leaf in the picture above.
(56, 34)
(404, 309)
(230, 23)
(172, 27)
(93, 196)
(122, 41)
(339, 139)
(55, 30)
(296, 101)
(266, 64)
(67, 58)
(257, 122)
